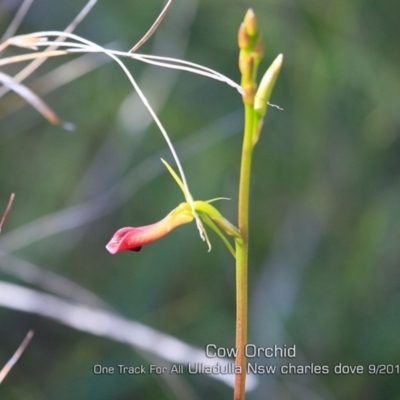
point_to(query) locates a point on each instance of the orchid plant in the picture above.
(203, 213)
(256, 100)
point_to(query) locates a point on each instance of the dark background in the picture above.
(325, 214)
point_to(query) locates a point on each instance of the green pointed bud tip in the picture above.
(250, 22)
(266, 85)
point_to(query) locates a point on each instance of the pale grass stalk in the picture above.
(31, 98)
(36, 63)
(104, 323)
(153, 28)
(16, 22)
(7, 211)
(11, 362)
(148, 59)
(35, 40)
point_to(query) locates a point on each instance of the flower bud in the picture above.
(250, 23)
(266, 85)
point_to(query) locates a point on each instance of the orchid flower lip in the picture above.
(130, 238)
(133, 238)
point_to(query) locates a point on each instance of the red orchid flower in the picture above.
(131, 238)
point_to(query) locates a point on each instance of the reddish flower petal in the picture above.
(131, 238)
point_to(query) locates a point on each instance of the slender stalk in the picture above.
(241, 320)
(7, 211)
(11, 362)
(249, 57)
(242, 254)
(245, 170)
(255, 101)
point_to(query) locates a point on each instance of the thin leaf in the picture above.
(11, 362)
(208, 221)
(152, 29)
(28, 95)
(176, 177)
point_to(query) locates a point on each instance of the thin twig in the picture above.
(11, 362)
(30, 97)
(7, 210)
(152, 29)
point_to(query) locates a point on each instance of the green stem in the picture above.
(242, 247)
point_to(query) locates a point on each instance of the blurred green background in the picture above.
(325, 215)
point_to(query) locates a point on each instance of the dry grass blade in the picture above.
(78, 19)
(103, 323)
(7, 211)
(59, 77)
(36, 63)
(34, 100)
(152, 29)
(11, 362)
(19, 16)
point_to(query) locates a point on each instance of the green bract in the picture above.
(208, 214)
(266, 85)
